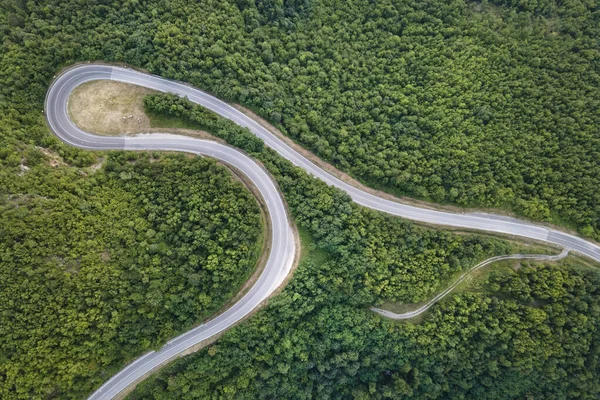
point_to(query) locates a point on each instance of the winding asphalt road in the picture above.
(282, 253)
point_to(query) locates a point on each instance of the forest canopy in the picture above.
(487, 104)
(98, 268)
(310, 343)
(526, 333)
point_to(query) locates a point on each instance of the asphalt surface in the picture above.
(282, 254)
(441, 295)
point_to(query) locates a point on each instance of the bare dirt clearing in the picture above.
(109, 108)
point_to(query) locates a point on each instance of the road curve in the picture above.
(282, 245)
(439, 296)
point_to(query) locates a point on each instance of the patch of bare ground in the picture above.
(20, 199)
(97, 166)
(23, 168)
(54, 160)
(109, 108)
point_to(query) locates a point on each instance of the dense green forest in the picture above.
(474, 103)
(313, 343)
(492, 104)
(97, 267)
(382, 255)
(531, 333)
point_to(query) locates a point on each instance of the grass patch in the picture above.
(166, 121)
(309, 251)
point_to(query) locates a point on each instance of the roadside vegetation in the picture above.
(474, 103)
(513, 333)
(393, 257)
